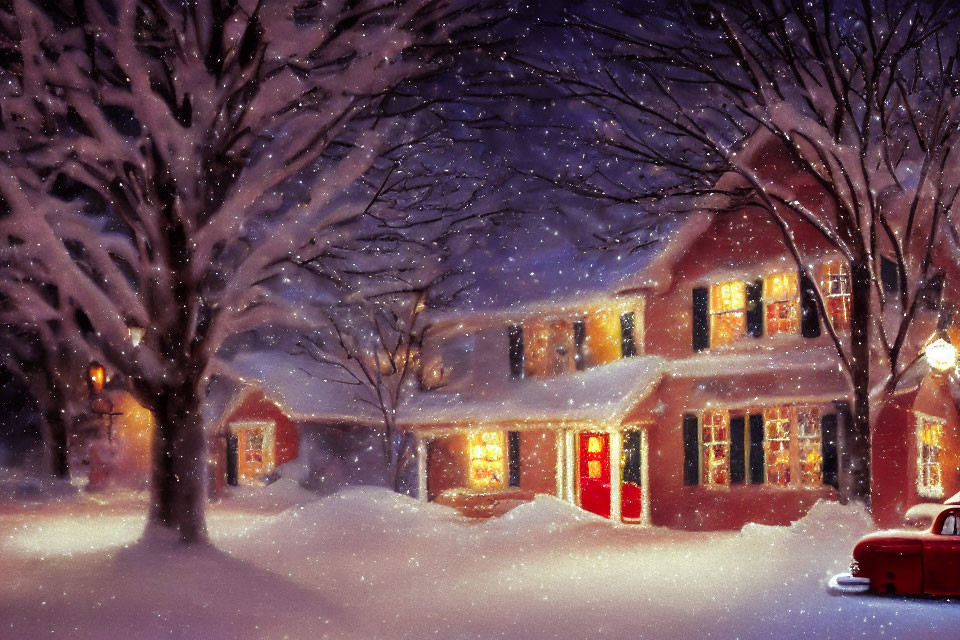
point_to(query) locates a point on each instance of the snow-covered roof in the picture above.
(300, 387)
(564, 274)
(600, 394)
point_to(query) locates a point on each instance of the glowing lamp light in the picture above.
(135, 334)
(941, 355)
(96, 375)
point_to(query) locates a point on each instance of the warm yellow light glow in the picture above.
(594, 445)
(135, 334)
(728, 319)
(781, 298)
(929, 445)
(487, 463)
(97, 376)
(941, 355)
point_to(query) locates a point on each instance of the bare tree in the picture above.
(860, 96)
(164, 161)
(52, 372)
(373, 348)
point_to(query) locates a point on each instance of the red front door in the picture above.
(593, 470)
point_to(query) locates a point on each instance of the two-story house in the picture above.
(702, 393)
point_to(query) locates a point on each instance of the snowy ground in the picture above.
(370, 564)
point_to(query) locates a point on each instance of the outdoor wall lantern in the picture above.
(96, 376)
(941, 355)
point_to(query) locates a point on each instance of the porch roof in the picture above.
(600, 395)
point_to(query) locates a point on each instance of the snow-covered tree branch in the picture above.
(161, 159)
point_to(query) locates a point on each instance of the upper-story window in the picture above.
(781, 299)
(835, 285)
(778, 303)
(548, 346)
(628, 344)
(728, 312)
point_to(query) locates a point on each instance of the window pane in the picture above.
(781, 296)
(716, 448)
(835, 285)
(809, 444)
(776, 444)
(929, 445)
(487, 463)
(728, 317)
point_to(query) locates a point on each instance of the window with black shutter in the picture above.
(691, 449)
(755, 308)
(701, 318)
(809, 317)
(516, 350)
(628, 347)
(737, 449)
(579, 341)
(755, 426)
(828, 442)
(513, 459)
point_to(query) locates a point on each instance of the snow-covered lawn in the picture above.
(370, 564)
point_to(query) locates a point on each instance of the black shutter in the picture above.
(828, 440)
(691, 449)
(756, 448)
(755, 308)
(809, 318)
(701, 318)
(513, 441)
(628, 347)
(889, 275)
(233, 471)
(579, 339)
(516, 350)
(632, 471)
(737, 443)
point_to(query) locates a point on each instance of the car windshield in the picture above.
(949, 526)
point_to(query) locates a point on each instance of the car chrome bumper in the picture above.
(846, 583)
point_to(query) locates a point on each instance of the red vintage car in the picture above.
(907, 562)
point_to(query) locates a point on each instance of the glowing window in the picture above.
(929, 448)
(776, 444)
(254, 447)
(809, 445)
(781, 300)
(716, 448)
(835, 284)
(487, 462)
(728, 312)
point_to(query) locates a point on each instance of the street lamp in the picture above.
(941, 354)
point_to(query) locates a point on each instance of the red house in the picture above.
(250, 440)
(702, 392)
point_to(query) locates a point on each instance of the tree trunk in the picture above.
(179, 464)
(56, 425)
(855, 483)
